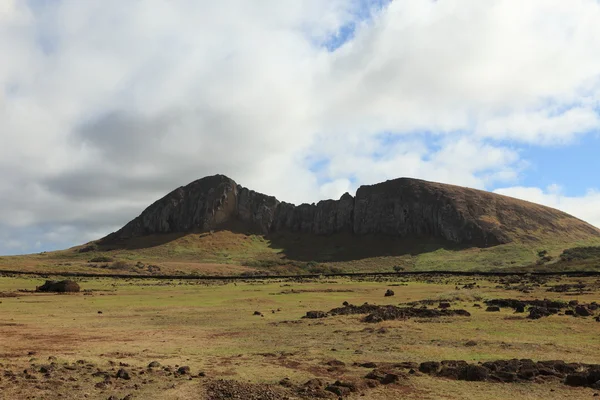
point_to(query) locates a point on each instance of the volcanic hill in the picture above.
(400, 208)
(213, 226)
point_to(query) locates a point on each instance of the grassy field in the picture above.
(211, 327)
(229, 253)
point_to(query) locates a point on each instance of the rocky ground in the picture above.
(425, 337)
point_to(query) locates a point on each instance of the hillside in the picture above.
(215, 226)
(404, 208)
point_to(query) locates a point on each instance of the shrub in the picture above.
(89, 247)
(543, 253)
(119, 265)
(580, 253)
(101, 259)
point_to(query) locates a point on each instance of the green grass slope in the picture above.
(229, 253)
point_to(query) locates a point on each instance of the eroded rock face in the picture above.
(407, 207)
(401, 208)
(201, 205)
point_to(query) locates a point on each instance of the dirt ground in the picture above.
(249, 340)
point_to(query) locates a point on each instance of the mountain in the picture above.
(399, 208)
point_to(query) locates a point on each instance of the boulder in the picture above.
(65, 286)
(582, 311)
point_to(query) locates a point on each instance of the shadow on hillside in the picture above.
(348, 247)
(297, 246)
(139, 243)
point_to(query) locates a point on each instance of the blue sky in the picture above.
(572, 166)
(107, 106)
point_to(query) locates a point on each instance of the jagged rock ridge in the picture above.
(402, 207)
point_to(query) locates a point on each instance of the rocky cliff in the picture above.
(401, 207)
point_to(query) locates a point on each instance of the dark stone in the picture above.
(389, 293)
(492, 309)
(582, 311)
(504, 376)
(336, 363)
(390, 378)
(338, 390)
(578, 379)
(315, 314)
(65, 286)
(429, 367)
(476, 373)
(520, 308)
(123, 374)
(368, 365)
(538, 312)
(184, 370)
(527, 373)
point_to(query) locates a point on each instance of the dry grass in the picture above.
(229, 253)
(212, 328)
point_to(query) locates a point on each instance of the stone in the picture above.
(65, 286)
(429, 367)
(123, 374)
(185, 370)
(582, 311)
(315, 314)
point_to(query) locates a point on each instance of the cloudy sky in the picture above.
(106, 105)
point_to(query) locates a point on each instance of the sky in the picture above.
(107, 105)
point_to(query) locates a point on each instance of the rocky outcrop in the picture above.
(401, 207)
(408, 207)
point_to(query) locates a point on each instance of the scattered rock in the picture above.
(335, 363)
(582, 311)
(59, 287)
(390, 312)
(389, 293)
(184, 370)
(515, 370)
(123, 374)
(368, 365)
(492, 309)
(429, 367)
(315, 314)
(520, 309)
(338, 390)
(476, 373)
(539, 312)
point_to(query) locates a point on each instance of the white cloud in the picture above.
(541, 126)
(585, 207)
(107, 105)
